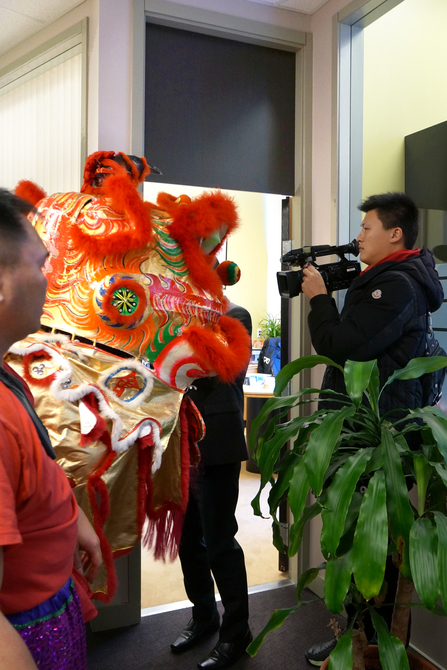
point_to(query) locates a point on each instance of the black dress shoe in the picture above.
(194, 632)
(226, 654)
(319, 652)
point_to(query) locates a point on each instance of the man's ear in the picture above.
(396, 236)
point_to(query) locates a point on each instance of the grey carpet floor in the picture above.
(147, 645)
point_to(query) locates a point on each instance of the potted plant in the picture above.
(332, 449)
(270, 326)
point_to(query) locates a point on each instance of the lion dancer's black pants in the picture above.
(208, 547)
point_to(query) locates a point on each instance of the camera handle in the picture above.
(310, 254)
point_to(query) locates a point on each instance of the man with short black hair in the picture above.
(41, 623)
(384, 315)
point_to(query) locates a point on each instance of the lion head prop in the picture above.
(135, 312)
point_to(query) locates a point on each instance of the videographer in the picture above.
(384, 315)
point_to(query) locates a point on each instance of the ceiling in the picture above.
(20, 19)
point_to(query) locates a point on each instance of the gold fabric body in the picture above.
(62, 420)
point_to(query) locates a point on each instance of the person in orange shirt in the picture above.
(43, 533)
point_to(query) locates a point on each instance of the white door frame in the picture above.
(255, 32)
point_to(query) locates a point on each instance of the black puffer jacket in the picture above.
(384, 317)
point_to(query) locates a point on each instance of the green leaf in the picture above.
(391, 650)
(371, 539)
(295, 367)
(357, 378)
(278, 542)
(281, 485)
(297, 528)
(268, 452)
(338, 498)
(298, 490)
(423, 561)
(418, 367)
(306, 579)
(399, 509)
(376, 461)
(321, 445)
(441, 523)
(353, 511)
(276, 620)
(337, 582)
(440, 469)
(437, 422)
(374, 388)
(341, 657)
(422, 470)
(271, 404)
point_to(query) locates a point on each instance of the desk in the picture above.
(255, 392)
(254, 399)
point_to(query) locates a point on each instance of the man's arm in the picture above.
(88, 556)
(369, 327)
(13, 651)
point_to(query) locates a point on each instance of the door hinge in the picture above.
(284, 533)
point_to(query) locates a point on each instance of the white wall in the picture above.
(109, 68)
(405, 87)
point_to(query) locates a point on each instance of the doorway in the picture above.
(238, 127)
(256, 248)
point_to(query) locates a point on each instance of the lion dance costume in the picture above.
(134, 313)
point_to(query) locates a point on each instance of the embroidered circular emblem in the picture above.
(129, 384)
(377, 294)
(38, 368)
(125, 300)
(120, 301)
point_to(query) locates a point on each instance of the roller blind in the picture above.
(40, 120)
(219, 112)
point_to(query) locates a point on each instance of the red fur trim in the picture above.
(164, 527)
(97, 488)
(196, 431)
(30, 191)
(203, 215)
(145, 486)
(136, 177)
(132, 167)
(226, 361)
(99, 502)
(91, 165)
(184, 454)
(100, 427)
(28, 360)
(170, 202)
(125, 200)
(164, 532)
(195, 220)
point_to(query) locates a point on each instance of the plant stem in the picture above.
(359, 644)
(401, 613)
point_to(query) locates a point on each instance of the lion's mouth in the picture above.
(209, 244)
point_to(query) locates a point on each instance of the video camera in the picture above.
(336, 276)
